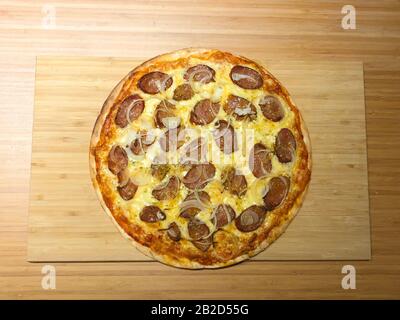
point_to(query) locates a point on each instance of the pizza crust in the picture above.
(184, 262)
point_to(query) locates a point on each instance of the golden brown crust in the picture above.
(158, 245)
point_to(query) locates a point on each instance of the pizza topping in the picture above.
(183, 92)
(199, 175)
(128, 191)
(285, 145)
(260, 161)
(163, 112)
(223, 215)
(117, 159)
(234, 182)
(250, 219)
(130, 109)
(194, 203)
(246, 78)
(173, 232)
(203, 244)
(140, 144)
(195, 152)
(167, 190)
(197, 229)
(172, 139)
(271, 108)
(204, 112)
(240, 108)
(200, 73)
(159, 171)
(225, 137)
(152, 214)
(278, 188)
(155, 82)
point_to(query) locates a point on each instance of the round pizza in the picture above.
(201, 158)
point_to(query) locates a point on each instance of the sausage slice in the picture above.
(155, 82)
(260, 161)
(197, 229)
(167, 191)
(225, 137)
(285, 145)
(117, 159)
(271, 108)
(234, 182)
(240, 108)
(164, 111)
(173, 232)
(127, 191)
(198, 176)
(204, 112)
(278, 188)
(194, 203)
(129, 110)
(250, 219)
(223, 215)
(246, 78)
(159, 171)
(151, 214)
(142, 143)
(200, 73)
(183, 92)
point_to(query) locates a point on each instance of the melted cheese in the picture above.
(263, 130)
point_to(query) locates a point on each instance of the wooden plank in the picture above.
(67, 223)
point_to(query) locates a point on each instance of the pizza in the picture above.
(201, 158)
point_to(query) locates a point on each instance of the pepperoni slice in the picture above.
(200, 73)
(167, 191)
(203, 244)
(250, 219)
(271, 108)
(204, 112)
(173, 232)
(234, 182)
(183, 92)
(198, 176)
(117, 159)
(223, 215)
(246, 78)
(151, 214)
(129, 110)
(194, 203)
(159, 171)
(127, 191)
(278, 188)
(141, 144)
(163, 112)
(172, 139)
(260, 161)
(197, 229)
(225, 137)
(240, 108)
(195, 151)
(155, 82)
(285, 145)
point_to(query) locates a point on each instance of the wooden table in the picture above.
(288, 29)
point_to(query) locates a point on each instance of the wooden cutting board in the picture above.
(67, 223)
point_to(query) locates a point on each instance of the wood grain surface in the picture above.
(69, 92)
(279, 29)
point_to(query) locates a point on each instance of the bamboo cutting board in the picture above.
(67, 223)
